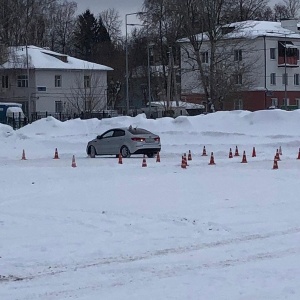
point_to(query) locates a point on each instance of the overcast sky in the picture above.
(122, 6)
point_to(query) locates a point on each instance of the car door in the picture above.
(103, 142)
(117, 141)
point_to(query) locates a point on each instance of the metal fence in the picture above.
(17, 120)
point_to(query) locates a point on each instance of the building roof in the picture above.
(42, 58)
(252, 29)
(181, 104)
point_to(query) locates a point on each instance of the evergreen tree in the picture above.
(86, 36)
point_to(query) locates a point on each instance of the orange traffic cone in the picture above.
(204, 152)
(144, 164)
(183, 163)
(23, 155)
(236, 151)
(120, 159)
(157, 157)
(73, 162)
(275, 164)
(253, 152)
(190, 155)
(244, 160)
(212, 160)
(56, 154)
(184, 156)
(280, 151)
(230, 153)
(299, 154)
(277, 157)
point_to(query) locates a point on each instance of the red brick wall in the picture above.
(252, 100)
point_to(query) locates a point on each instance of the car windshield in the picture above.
(138, 131)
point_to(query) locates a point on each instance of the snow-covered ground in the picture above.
(109, 231)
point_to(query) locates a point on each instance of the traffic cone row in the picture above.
(184, 159)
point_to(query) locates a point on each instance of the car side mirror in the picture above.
(99, 137)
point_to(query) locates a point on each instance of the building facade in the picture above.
(46, 81)
(269, 55)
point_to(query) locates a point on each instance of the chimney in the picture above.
(290, 24)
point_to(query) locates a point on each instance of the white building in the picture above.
(57, 82)
(271, 51)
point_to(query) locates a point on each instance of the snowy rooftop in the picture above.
(41, 58)
(253, 29)
(186, 105)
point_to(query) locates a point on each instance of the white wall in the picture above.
(256, 52)
(45, 100)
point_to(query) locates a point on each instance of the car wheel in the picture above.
(150, 155)
(92, 152)
(125, 151)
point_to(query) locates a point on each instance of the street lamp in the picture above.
(126, 57)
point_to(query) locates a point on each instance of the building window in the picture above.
(58, 106)
(296, 79)
(5, 81)
(273, 78)
(57, 80)
(238, 55)
(272, 53)
(285, 79)
(41, 89)
(204, 57)
(298, 102)
(87, 81)
(22, 81)
(238, 79)
(238, 104)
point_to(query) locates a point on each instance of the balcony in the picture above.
(288, 54)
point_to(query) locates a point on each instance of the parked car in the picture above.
(126, 141)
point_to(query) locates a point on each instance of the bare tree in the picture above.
(209, 56)
(293, 7)
(242, 10)
(111, 20)
(61, 24)
(87, 93)
(281, 12)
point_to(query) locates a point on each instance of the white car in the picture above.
(126, 141)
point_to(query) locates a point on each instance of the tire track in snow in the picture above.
(148, 272)
(153, 254)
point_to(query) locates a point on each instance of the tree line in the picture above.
(97, 36)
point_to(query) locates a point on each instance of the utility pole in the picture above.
(169, 82)
(28, 85)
